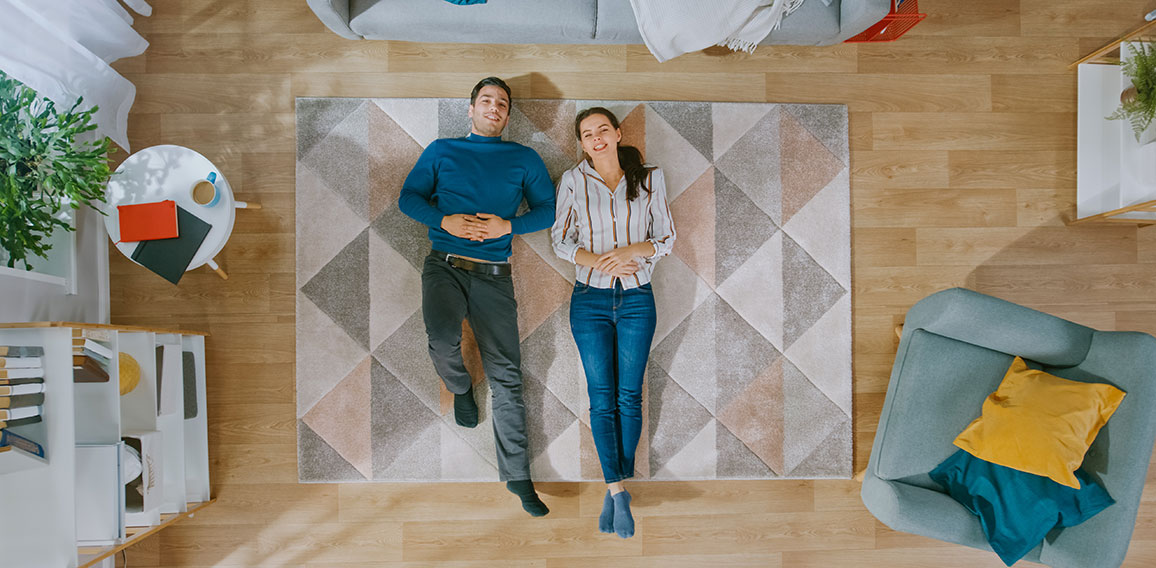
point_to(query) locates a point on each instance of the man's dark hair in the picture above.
(490, 81)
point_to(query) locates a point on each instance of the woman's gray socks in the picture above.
(606, 519)
(623, 520)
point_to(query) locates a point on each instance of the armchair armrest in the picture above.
(335, 15)
(999, 325)
(858, 15)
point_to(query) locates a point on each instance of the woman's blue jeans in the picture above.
(613, 329)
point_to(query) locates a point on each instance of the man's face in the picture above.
(490, 111)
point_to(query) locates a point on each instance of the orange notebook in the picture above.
(148, 221)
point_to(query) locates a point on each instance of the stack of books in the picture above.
(91, 357)
(21, 394)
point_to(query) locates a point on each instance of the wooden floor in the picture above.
(963, 156)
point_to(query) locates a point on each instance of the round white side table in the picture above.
(169, 172)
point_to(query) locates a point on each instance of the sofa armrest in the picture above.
(335, 15)
(1000, 325)
(916, 510)
(855, 16)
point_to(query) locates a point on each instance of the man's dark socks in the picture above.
(606, 519)
(623, 520)
(530, 502)
(466, 409)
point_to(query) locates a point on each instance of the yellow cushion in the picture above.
(1040, 423)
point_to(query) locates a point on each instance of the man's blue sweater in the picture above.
(478, 174)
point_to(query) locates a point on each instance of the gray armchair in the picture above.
(956, 346)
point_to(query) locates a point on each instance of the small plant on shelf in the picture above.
(44, 170)
(1138, 102)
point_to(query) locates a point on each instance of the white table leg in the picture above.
(212, 264)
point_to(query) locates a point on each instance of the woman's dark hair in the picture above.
(629, 157)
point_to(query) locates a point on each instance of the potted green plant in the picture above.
(1138, 101)
(44, 169)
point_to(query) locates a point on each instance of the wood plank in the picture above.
(771, 532)
(290, 503)
(982, 18)
(1069, 283)
(888, 93)
(1037, 207)
(768, 560)
(959, 557)
(367, 502)
(177, 93)
(236, 16)
(235, 133)
(934, 208)
(1033, 93)
(905, 285)
(861, 135)
(1017, 246)
(657, 498)
(230, 53)
(840, 58)
(1053, 169)
(983, 55)
(974, 131)
(516, 539)
(503, 60)
(1074, 18)
(372, 84)
(728, 87)
(884, 246)
(282, 544)
(256, 464)
(268, 423)
(899, 169)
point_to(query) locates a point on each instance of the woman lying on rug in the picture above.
(613, 223)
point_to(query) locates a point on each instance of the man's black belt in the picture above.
(490, 268)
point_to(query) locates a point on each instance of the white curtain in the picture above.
(62, 49)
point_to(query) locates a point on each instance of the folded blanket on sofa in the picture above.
(673, 27)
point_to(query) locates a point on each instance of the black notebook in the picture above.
(169, 258)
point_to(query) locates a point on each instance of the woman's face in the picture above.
(598, 136)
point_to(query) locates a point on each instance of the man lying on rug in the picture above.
(467, 190)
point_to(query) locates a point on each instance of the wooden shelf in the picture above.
(89, 556)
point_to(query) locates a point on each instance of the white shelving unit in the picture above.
(38, 497)
(1116, 173)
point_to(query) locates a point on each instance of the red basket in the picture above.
(902, 18)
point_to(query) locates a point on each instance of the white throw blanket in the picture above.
(673, 27)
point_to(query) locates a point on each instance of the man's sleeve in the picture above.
(539, 192)
(418, 189)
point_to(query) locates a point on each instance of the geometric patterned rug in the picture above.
(750, 371)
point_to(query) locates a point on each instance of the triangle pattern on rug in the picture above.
(453, 118)
(421, 461)
(341, 418)
(690, 354)
(808, 419)
(807, 165)
(633, 126)
(553, 119)
(341, 289)
(550, 355)
(736, 460)
(321, 363)
(732, 121)
(755, 290)
(405, 235)
(538, 287)
(681, 163)
(694, 218)
(541, 243)
(324, 222)
(829, 459)
(397, 290)
(522, 128)
(549, 419)
(828, 124)
(560, 460)
(405, 354)
(588, 454)
(341, 160)
(679, 290)
(399, 418)
(673, 413)
(807, 294)
(317, 461)
(823, 353)
(823, 228)
(740, 229)
(392, 154)
(413, 116)
(461, 461)
(752, 163)
(755, 417)
(697, 460)
(317, 116)
(692, 121)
